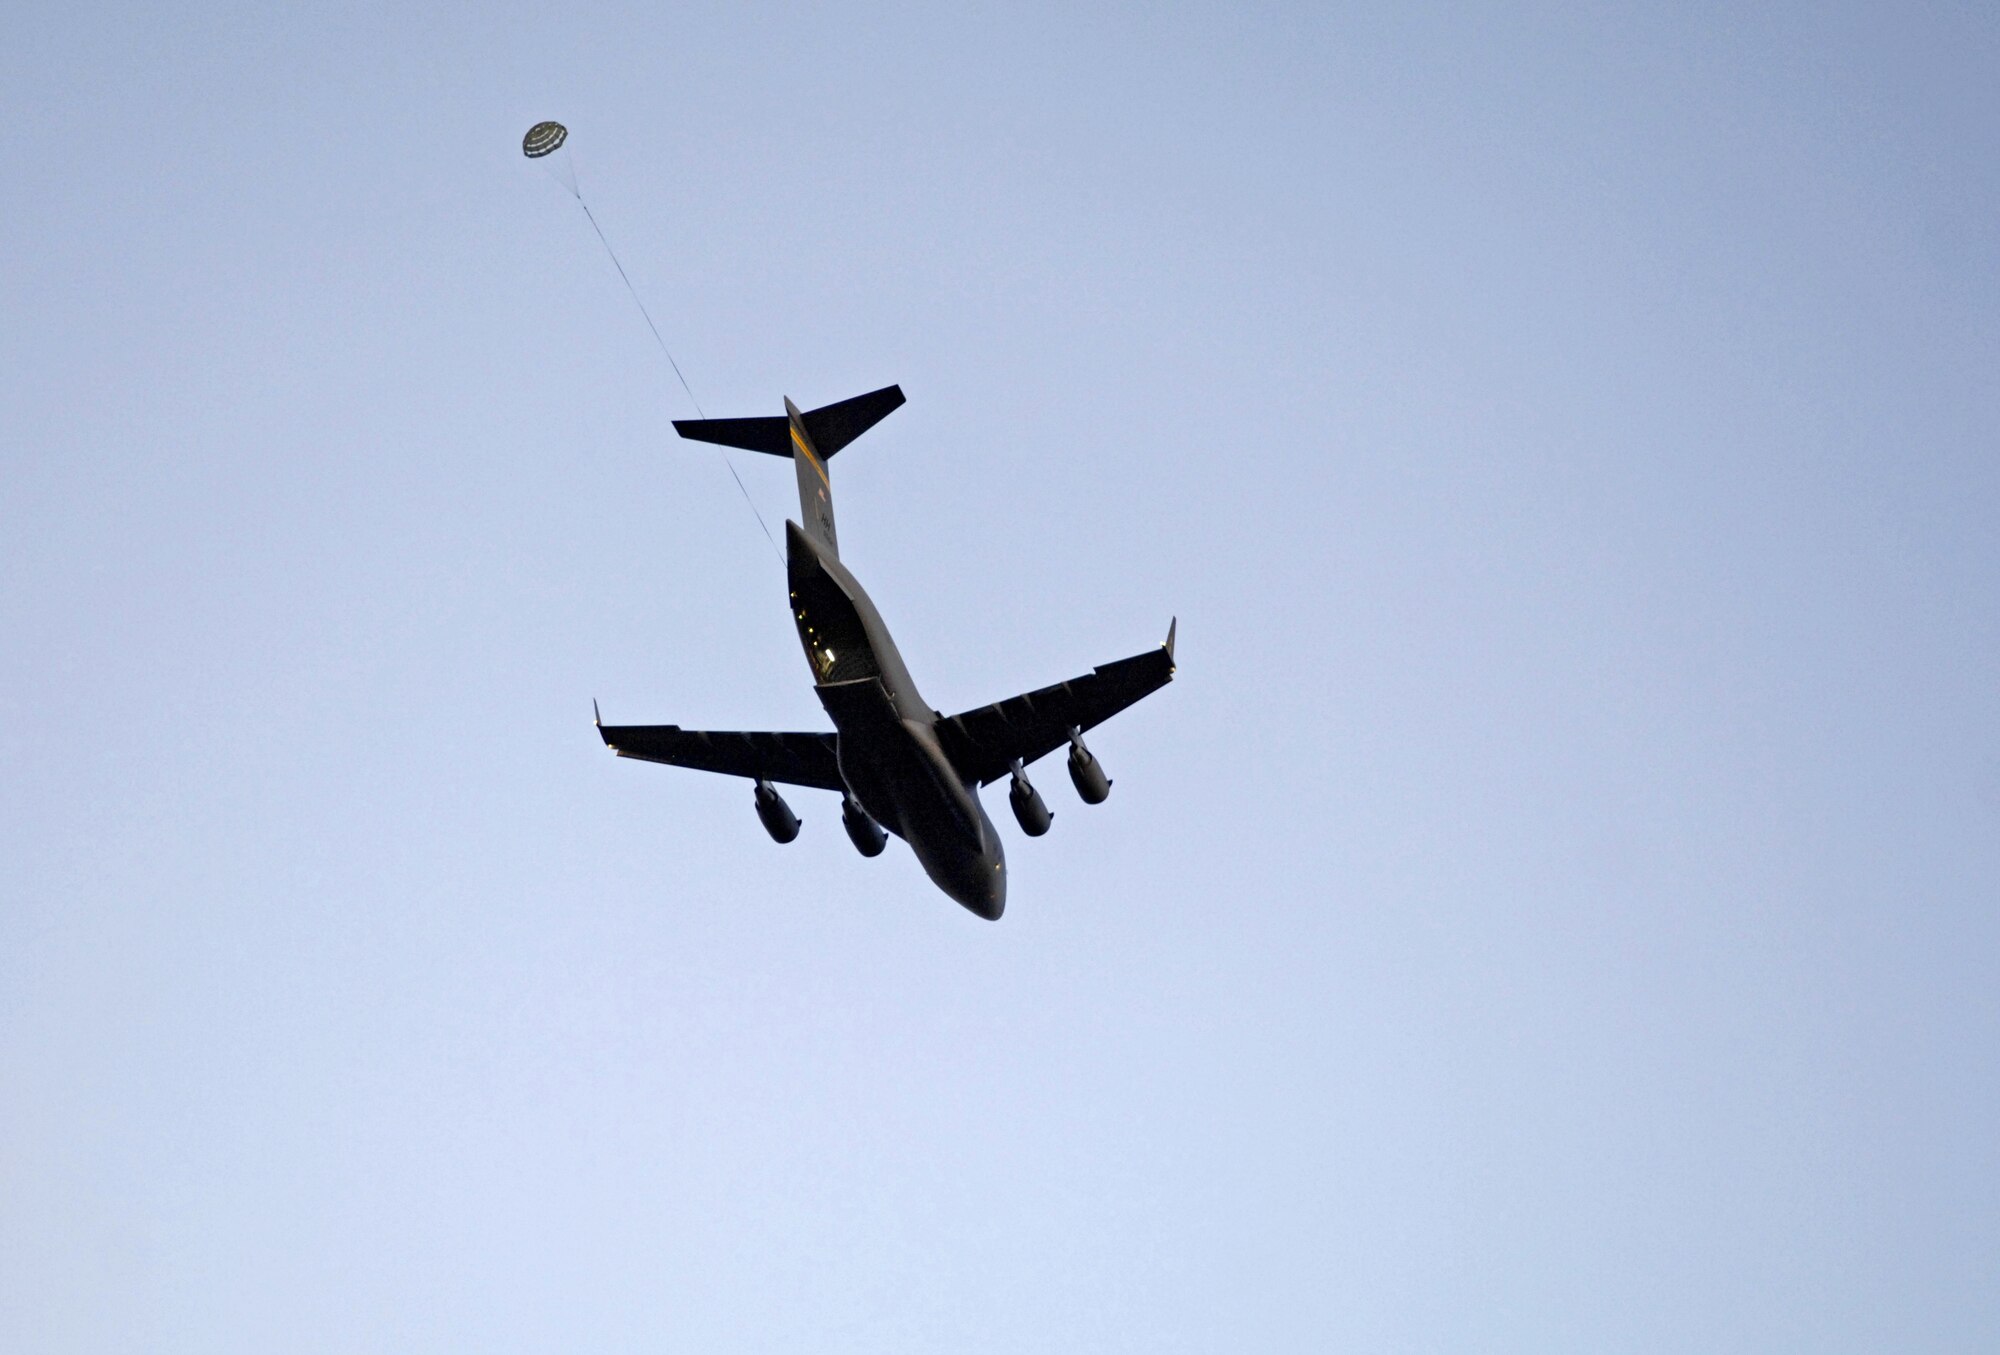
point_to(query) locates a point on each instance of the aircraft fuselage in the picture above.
(890, 757)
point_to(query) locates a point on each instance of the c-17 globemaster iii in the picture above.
(900, 766)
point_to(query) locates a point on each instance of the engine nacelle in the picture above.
(779, 821)
(1091, 782)
(1029, 811)
(867, 835)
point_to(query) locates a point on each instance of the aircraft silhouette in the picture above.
(900, 766)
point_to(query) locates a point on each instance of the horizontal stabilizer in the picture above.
(772, 435)
(830, 427)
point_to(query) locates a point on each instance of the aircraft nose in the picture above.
(987, 896)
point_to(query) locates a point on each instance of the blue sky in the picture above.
(1553, 909)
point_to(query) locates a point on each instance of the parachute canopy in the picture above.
(542, 138)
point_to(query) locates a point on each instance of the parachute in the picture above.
(543, 138)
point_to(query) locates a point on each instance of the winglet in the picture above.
(1169, 646)
(596, 716)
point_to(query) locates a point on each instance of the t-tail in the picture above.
(810, 439)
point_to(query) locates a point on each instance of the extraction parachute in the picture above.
(543, 138)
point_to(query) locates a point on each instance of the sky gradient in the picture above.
(1554, 909)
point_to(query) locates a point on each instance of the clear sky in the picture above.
(1554, 909)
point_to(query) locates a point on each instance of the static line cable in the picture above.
(626, 278)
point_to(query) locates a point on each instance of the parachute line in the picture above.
(626, 278)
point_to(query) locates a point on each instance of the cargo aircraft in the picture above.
(900, 766)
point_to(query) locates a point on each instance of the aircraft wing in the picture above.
(794, 759)
(983, 743)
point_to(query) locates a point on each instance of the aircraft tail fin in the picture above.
(828, 428)
(810, 439)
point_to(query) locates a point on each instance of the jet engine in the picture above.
(1029, 811)
(866, 834)
(1091, 782)
(779, 821)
